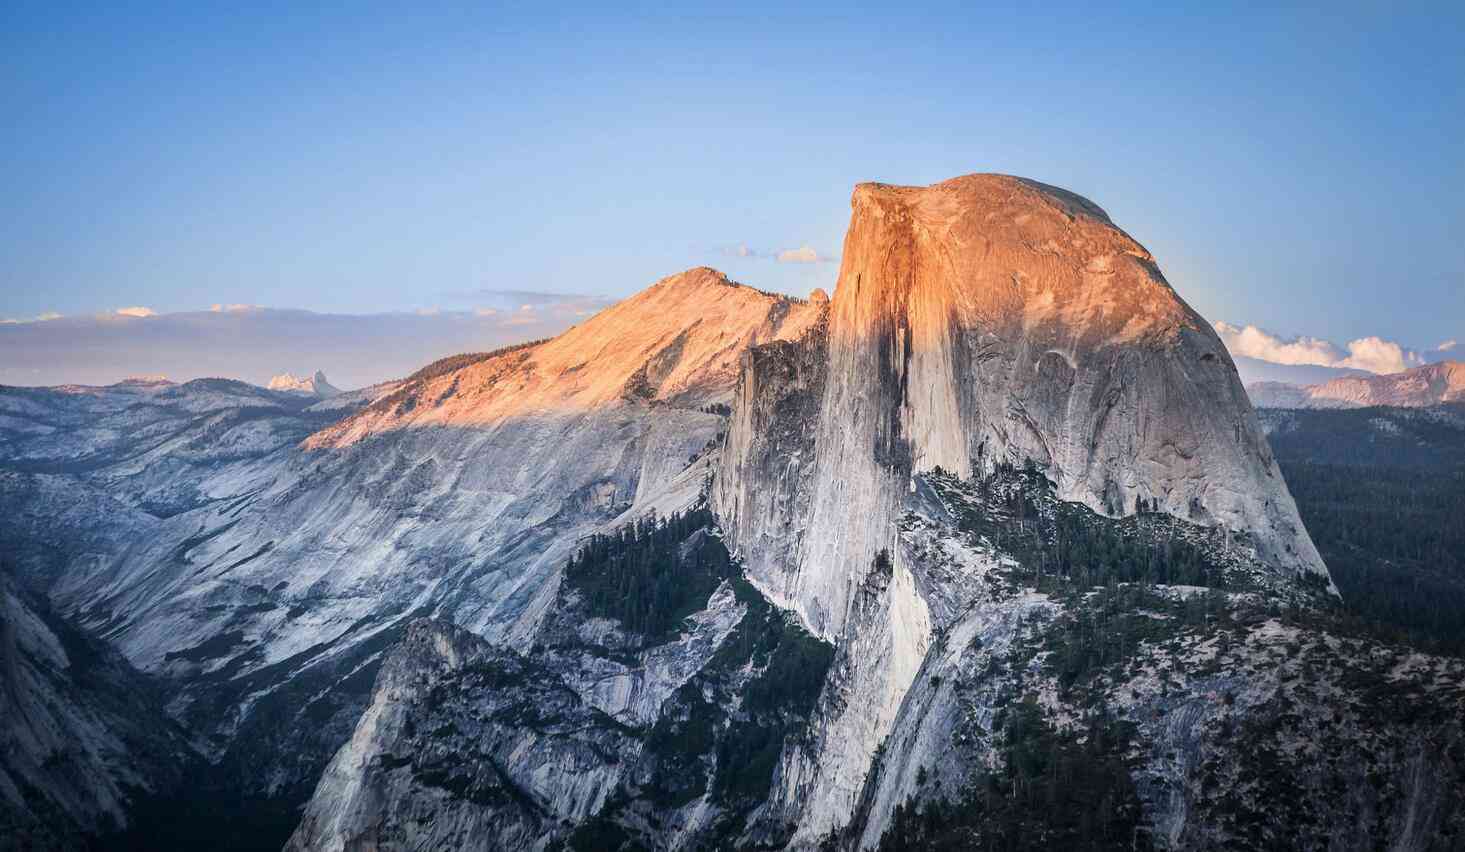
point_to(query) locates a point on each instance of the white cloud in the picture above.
(45, 317)
(1377, 355)
(1252, 342)
(232, 308)
(1447, 346)
(802, 254)
(136, 311)
(1373, 353)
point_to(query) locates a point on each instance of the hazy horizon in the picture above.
(254, 343)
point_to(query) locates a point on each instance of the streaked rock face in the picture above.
(989, 319)
(979, 321)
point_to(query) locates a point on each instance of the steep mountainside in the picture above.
(270, 599)
(617, 723)
(1431, 384)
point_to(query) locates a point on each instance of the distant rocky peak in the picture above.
(315, 385)
(697, 277)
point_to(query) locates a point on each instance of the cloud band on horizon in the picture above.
(1372, 354)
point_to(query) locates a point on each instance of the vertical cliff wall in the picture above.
(990, 319)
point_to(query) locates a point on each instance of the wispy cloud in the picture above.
(802, 254)
(45, 317)
(1447, 346)
(1373, 354)
(136, 311)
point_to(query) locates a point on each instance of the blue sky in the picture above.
(1297, 169)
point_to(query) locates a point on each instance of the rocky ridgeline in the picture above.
(1432, 384)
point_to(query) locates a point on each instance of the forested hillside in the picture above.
(1382, 491)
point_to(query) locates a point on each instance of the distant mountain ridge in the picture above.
(1254, 370)
(1431, 384)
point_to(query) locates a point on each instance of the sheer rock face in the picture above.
(982, 321)
(991, 319)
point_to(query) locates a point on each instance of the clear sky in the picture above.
(1302, 170)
